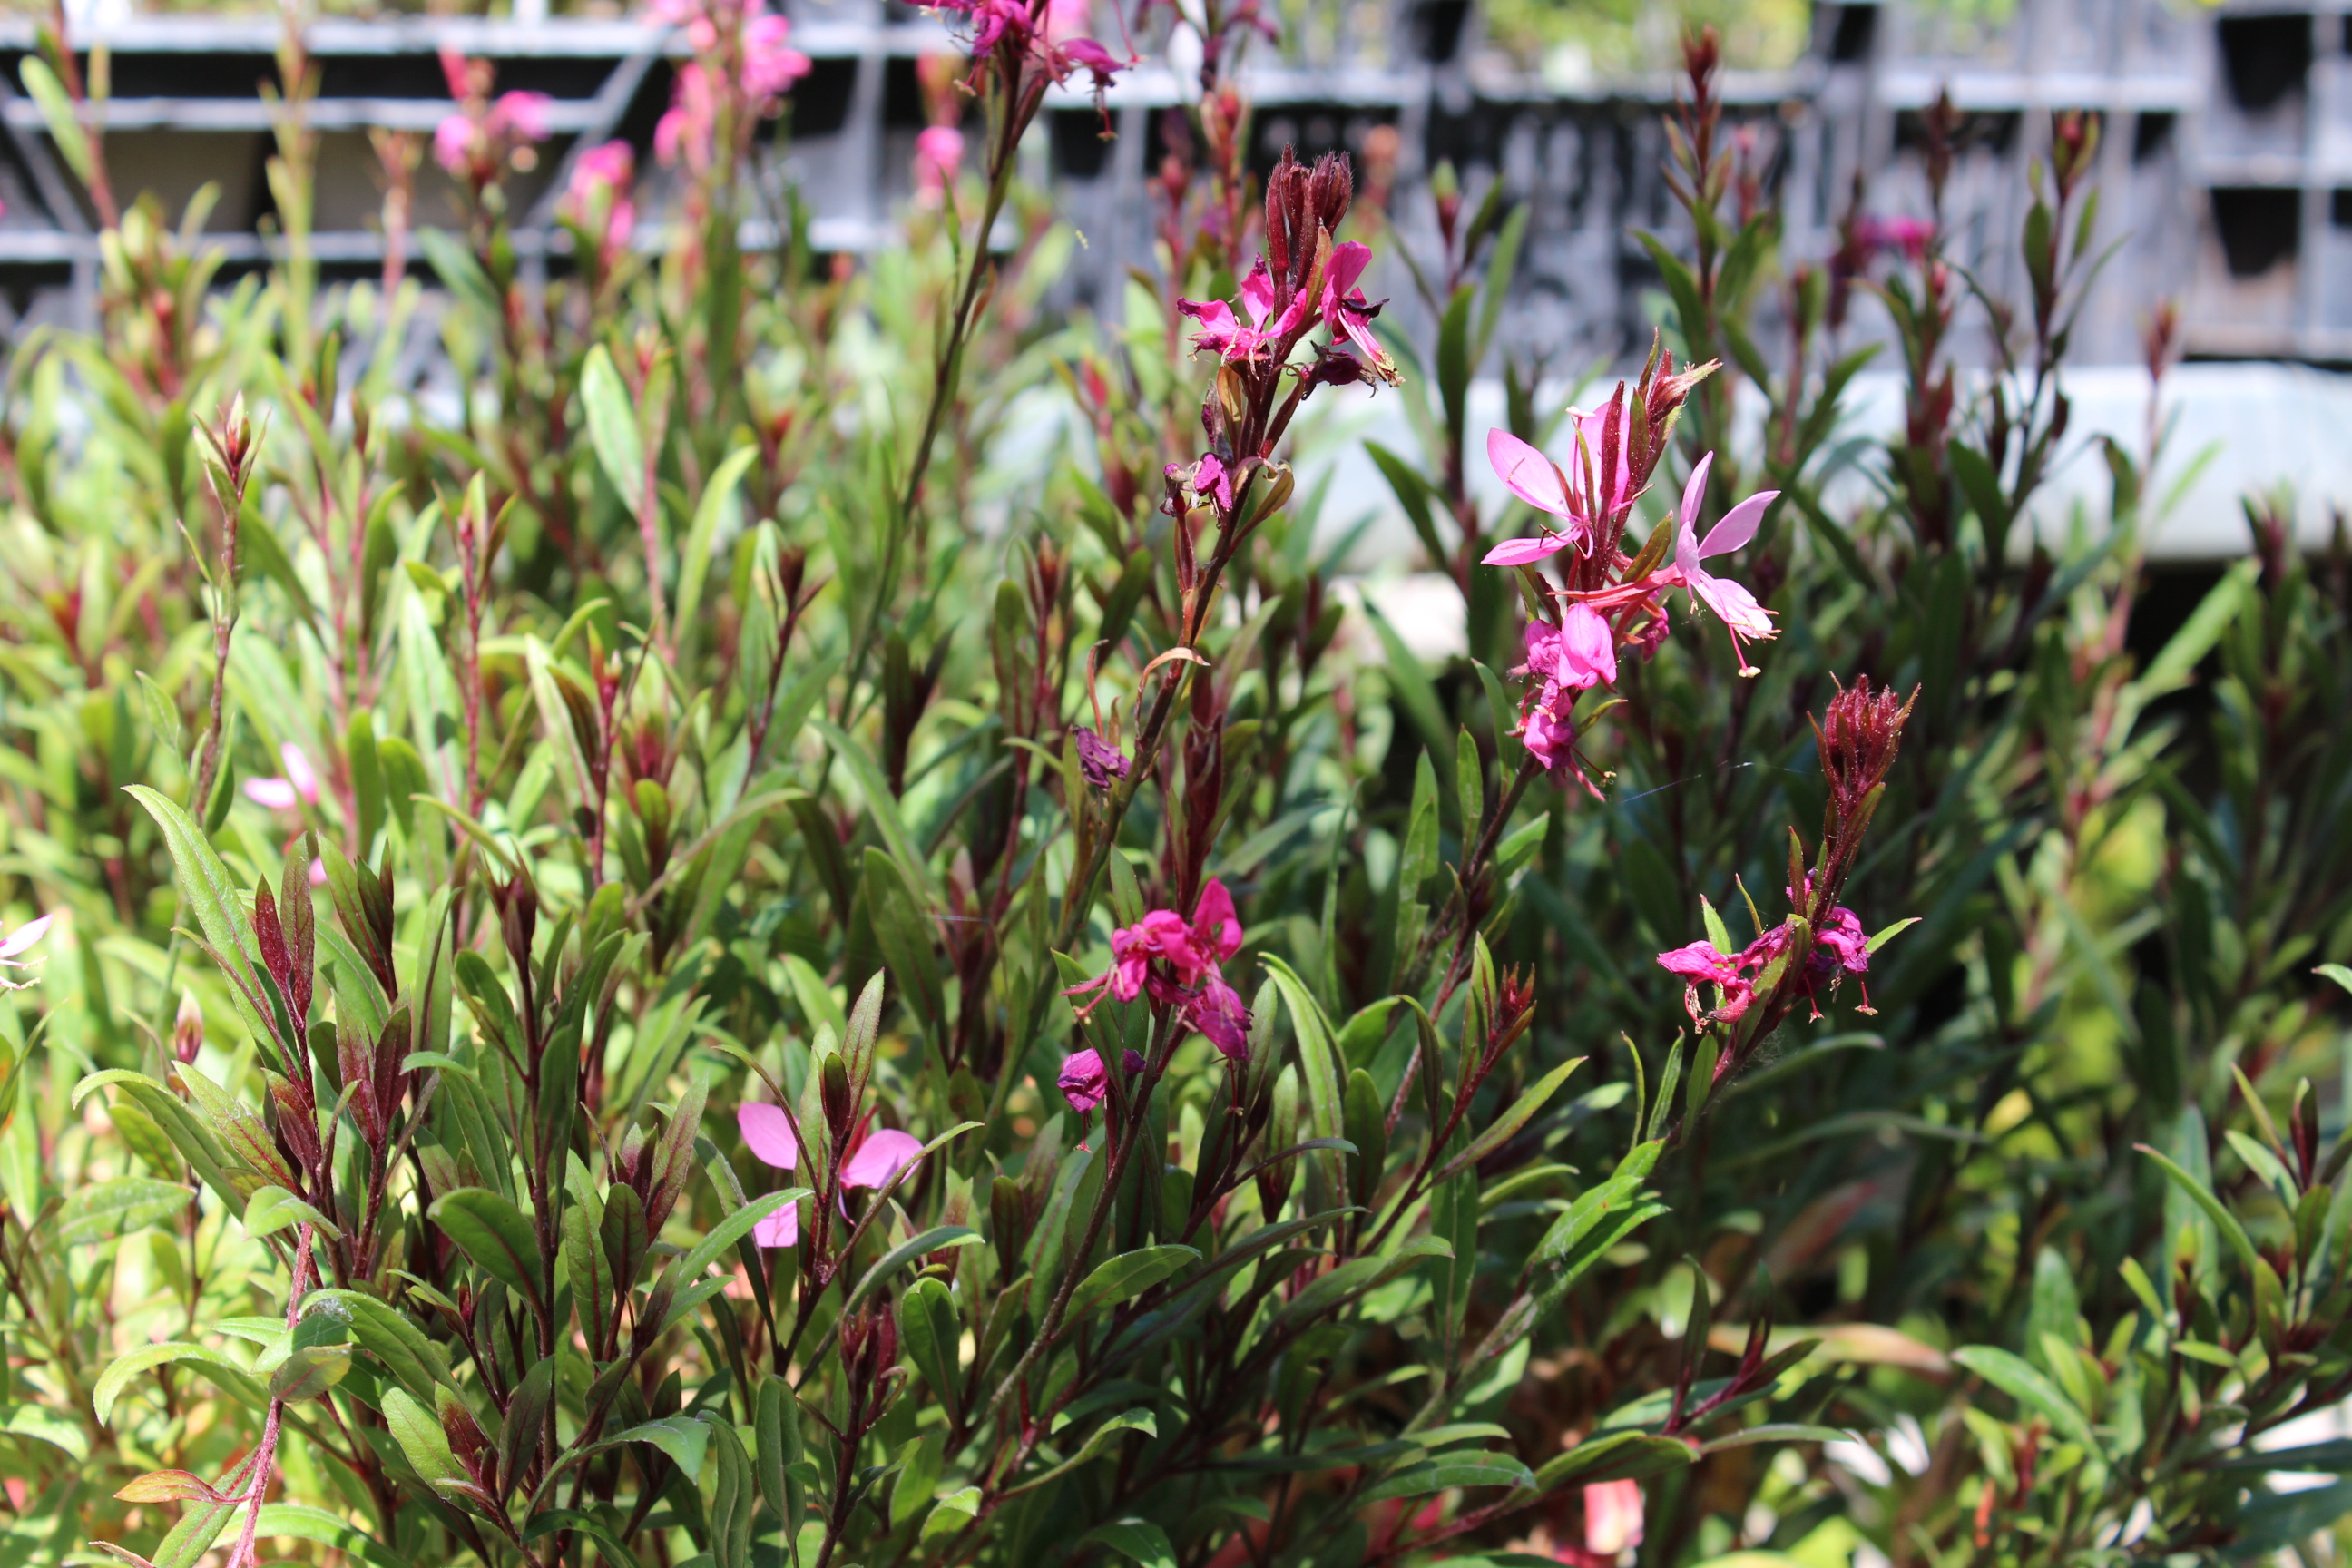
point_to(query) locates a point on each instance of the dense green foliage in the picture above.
(488, 844)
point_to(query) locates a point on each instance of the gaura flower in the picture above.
(18, 941)
(1732, 604)
(1187, 976)
(1347, 311)
(1840, 949)
(299, 785)
(1612, 1517)
(606, 173)
(1577, 655)
(1223, 333)
(1583, 496)
(1085, 1083)
(873, 1162)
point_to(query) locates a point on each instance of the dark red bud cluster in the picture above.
(1303, 204)
(1860, 734)
(2074, 144)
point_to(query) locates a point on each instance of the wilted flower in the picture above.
(1839, 949)
(768, 1133)
(1098, 759)
(1085, 1083)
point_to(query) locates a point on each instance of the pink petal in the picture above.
(1695, 492)
(298, 771)
(1612, 1517)
(782, 1228)
(24, 936)
(882, 1156)
(1215, 922)
(1739, 525)
(1348, 263)
(1588, 647)
(318, 873)
(277, 795)
(1526, 551)
(1257, 294)
(1531, 475)
(767, 1134)
(1733, 604)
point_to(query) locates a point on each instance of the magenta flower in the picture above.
(1189, 977)
(1575, 656)
(1908, 234)
(522, 115)
(770, 68)
(453, 143)
(1347, 313)
(1840, 949)
(1583, 502)
(1221, 332)
(1085, 1083)
(298, 786)
(768, 1133)
(1732, 605)
(18, 941)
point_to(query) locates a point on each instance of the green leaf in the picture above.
(274, 1208)
(1139, 1540)
(1318, 1058)
(418, 1432)
(213, 894)
(694, 560)
(683, 1438)
(2202, 1196)
(133, 1364)
(734, 1228)
(1473, 1469)
(1125, 1277)
(416, 1361)
(496, 1235)
(299, 1521)
(308, 1374)
(1507, 1126)
(108, 1209)
(953, 1512)
(939, 1239)
(1613, 1456)
(613, 429)
(2014, 1377)
(58, 113)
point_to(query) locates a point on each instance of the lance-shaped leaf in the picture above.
(497, 1236)
(1125, 1277)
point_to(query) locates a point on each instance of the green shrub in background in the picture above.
(683, 962)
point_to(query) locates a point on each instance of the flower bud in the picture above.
(188, 1028)
(839, 1107)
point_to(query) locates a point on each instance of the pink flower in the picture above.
(1575, 656)
(1732, 604)
(1582, 496)
(18, 941)
(300, 785)
(1190, 979)
(606, 173)
(521, 115)
(769, 67)
(1908, 234)
(768, 1133)
(1612, 1517)
(1222, 334)
(1704, 963)
(1085, 1081)
(939, 156)
(1067, 20)
(1550, 738)
(453, 143)
(1346, 310)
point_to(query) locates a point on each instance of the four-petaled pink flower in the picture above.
(1733, 604)
(18, 941)
(298, 787)
(1582, 496)
(1221, 332)
(1180, 964)
(1839, 949)
(768, 1133)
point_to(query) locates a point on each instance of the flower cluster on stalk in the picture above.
(485, 135)
(1605, 599)
(1180, 965)
(742, 67)
(1304, 281)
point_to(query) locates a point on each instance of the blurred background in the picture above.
(2225, 160)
